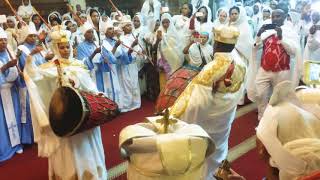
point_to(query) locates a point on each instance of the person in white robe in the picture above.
(12, 33)
(210, 100)
(238, 19)
(150, 10)
(199, 52)
(257, 17)
(222, 18)
(25, 11)
(94, 18)
(139, 31)
(182, 23)
(111, 55)
(40, 26)
(169, 50)
(128, 70)
(288, 133)
(54, 18)
(249, 12)
(203, 22)
(80, 156)
(10, 112)
(312, 49)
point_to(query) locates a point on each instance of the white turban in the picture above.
(25, 31)
(85, 27)
(125, 20)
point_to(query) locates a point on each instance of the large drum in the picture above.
(175, 85)
(72, 111)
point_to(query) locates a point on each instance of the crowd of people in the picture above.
(256, 51)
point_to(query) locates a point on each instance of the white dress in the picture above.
(77, 157)
(128, 76)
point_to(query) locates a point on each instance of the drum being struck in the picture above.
(175, 85)
(73, 111)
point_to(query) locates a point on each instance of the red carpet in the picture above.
(250, 166)
(28, 166)
(20, 166)
(243, 128)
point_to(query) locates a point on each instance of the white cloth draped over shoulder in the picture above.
(170, 49)
(182, 24)
(76, 156)
(195, 54)
(213, 111)
(205, 26)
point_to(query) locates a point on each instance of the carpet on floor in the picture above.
(19, 167)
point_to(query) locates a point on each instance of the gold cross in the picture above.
(165, 121)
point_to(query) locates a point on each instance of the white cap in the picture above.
(85, 27)
(125, 20)
(26, 30)
(3, 34)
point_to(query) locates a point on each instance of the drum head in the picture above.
(65, 111)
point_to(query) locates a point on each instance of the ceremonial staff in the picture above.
(48, 26)
(15, 12)
(11, 57)
(120, 14)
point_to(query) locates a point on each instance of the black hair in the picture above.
(223, 47)
(190, 7)
(234, 7)
(206, 19)
(56, 19)
(36, 15)
(66, 24)
(92, 11)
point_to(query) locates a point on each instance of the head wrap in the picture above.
(3, 34)
(56, 14)
(125, 20)
(12, 18)
(85, 27)
(25, 31)
(58, 35)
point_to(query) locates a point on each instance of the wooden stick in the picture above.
(48, 26)
(15, 12)
(74, 14)
(114, 6)
(11, 57)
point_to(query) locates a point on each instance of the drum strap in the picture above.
(204, 62)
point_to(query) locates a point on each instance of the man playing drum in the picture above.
(80, 156)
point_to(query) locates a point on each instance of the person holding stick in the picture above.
(10, 117)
